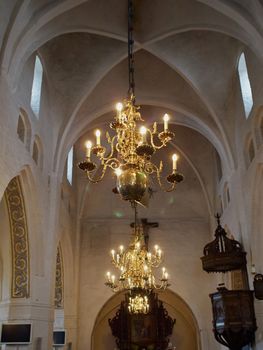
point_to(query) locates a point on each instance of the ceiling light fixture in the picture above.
(131, 148)
(136, 265)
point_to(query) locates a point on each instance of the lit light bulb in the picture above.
(143, 132)
(121, 249)
(175, 158)
(119, 106)
(98, 133)
(118, 171)
(166, 119)
(88, 145)
(113, 253)
(156, 247)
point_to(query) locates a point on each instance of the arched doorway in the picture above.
(185, 334)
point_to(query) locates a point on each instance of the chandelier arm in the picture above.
(112, 163)
(156, 147)
(169, 189)
(112, 148)
(99, 178)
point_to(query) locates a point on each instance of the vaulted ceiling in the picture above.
(185, 61)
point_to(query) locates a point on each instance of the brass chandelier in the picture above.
(136, 265)
(130, 150)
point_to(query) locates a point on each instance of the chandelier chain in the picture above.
(131, 90)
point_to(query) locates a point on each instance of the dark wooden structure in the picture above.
(223, 254)
(258, 286)
(233, 317)
(142, 331)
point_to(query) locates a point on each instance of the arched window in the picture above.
(245, 85)
(218, 166)
(251, 150)
(226, 195)
(24, 129)
(21, 129)
(36, 87)
(70, 165)
(37, 153)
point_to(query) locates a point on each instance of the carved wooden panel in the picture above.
(19, 239)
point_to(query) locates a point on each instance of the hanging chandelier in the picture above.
(136, 265)
(129, 152)
(139, 304)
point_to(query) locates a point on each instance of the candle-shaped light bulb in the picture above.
(145, 267)
(98, 133)
(166, 119)
(118, 171)
(88, 145)
(156, 247)
(113, 253)
(121, 249)
(108, 275)
(143, 132)
(113, 278)
(119, 106)
(166, 275)
(175, 158)
(149, 256)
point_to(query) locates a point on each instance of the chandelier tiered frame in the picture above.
(131, 147)
(136, 266)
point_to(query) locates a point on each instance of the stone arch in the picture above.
(186, 333)
(24, 130)
(20, 284)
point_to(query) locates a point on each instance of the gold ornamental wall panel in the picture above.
(20, 287)
(59, 283)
